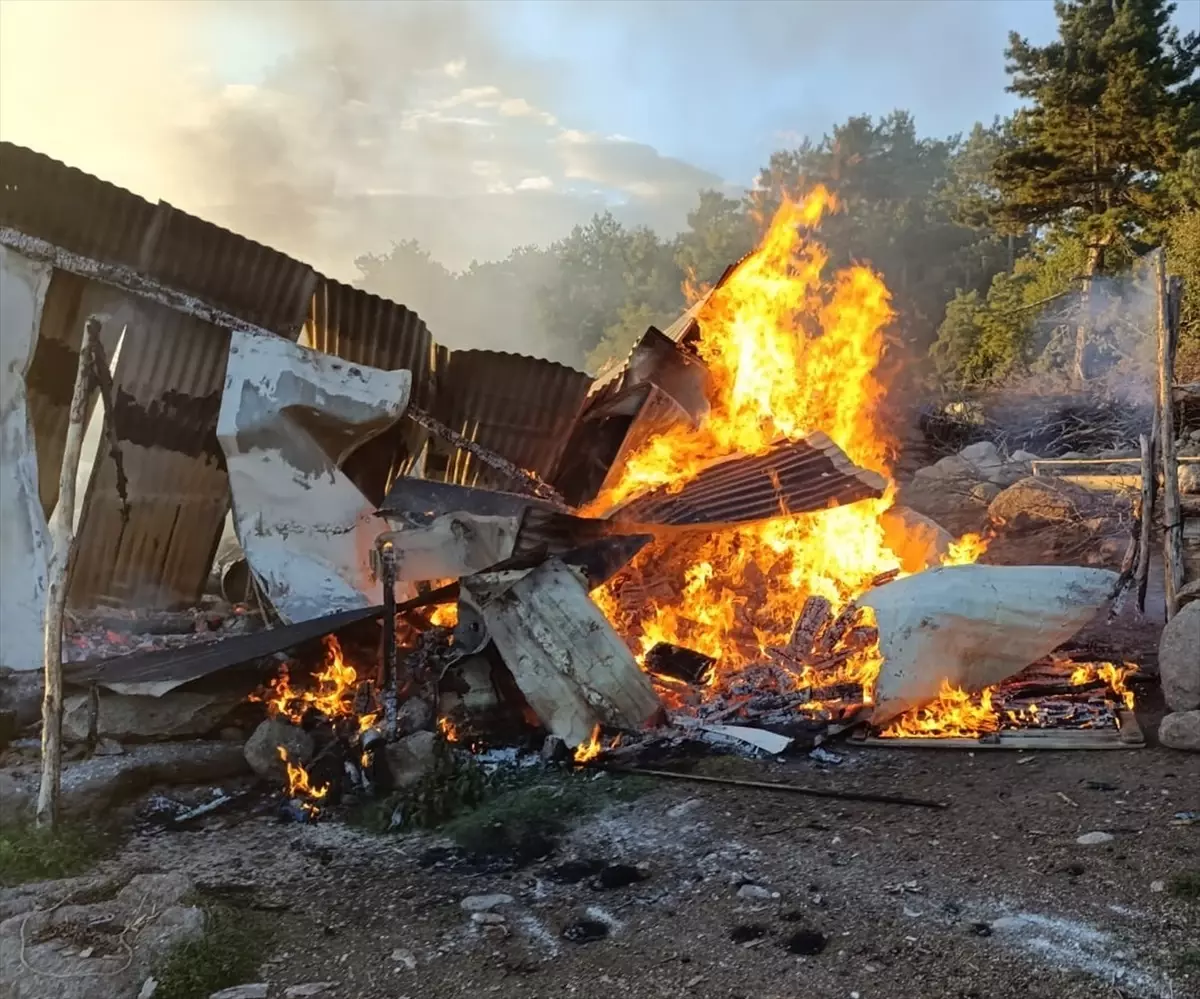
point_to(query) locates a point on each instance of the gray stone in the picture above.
(262, 748)
(554, 750)
(411, 758)
(1035, 502)
(755, 893)
(487, 918)
(35, 965)
(16, 800)
(93, 786)
(983, 457)
(108, 747)
(1010, 473)
(1189, 593)
(1023, 456)
(307, 989)
(414, 715)
(255, 990)
(1094, 838)
(985, 492)
(1179, 659)
(178, 714)
(954, 467)
(21, 693)
(1181, 730)
(1189, 479)
(484, 903)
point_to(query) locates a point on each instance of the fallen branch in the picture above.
(762, 785)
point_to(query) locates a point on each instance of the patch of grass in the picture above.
(1189, 960)
(228, 953)
(1186, 885)
(28, 853)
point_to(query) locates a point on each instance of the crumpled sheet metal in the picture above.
(288, 417)
(794, 477)
(974, 626)
(23, 541)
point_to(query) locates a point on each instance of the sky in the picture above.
(331, 128)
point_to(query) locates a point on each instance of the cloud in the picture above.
(334, 129)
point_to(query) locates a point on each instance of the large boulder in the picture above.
(411, 758)
(262, 748)
(1181, 730)
(178, 714)
(1036, 502)
(984, 458)
(97, 951)
(951, 467)
(1179, 659)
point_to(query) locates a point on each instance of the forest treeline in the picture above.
(1003, 248)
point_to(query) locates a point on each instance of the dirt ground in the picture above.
(987, 899)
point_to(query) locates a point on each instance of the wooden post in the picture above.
(62, 548)
(1146, 514)
(1172, 518)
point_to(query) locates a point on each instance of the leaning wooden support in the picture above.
(1171, 515)
(1146, 514)
(62, 550)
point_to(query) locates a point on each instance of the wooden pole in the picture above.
(62, 547)
(1146, 515)
(1172, 518)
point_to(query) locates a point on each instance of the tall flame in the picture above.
(790, 352)
(336, 685)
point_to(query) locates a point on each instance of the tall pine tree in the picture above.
(1113, 105)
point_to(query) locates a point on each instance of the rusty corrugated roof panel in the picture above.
(70, 208)
(685, 327)
(45, 198)
(521, 407)
(167, 385)
(794, 477)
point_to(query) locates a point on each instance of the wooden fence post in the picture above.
(62, 548)
(1171, 516)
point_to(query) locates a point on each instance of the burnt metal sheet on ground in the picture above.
(167, 387)
(365, 329)
(155, 673)
(520, 407)
(793, 477)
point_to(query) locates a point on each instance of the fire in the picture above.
(791, 351)
(955, 714)
(447, 729)
(1112, 674)
(300, 786)
(333, 697)
(591, 749)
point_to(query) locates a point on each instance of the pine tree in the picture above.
(1113, 106)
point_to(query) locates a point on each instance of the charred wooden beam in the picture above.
(683, 664)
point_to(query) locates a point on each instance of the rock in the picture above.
(178, 714)
(258, 990)
(16, 801)
(1035, 502)
(983, 457)
(1023, 456)
(411, 758)
(918, 541)
(262, 748)
(406, 957)
(1094, 838)
(1010, 474)
(756, 893)
(484, 903)
(306, 990)
(952, 467)
(1189, 479)
(1072, 455)
(108, 747)
(21, 693)
(985, 492)
(1179, 659)
(8, 727)
(93, 786)
(554, 750)
(414, 715)
(1181, 730)
(151, 915)
(1158, 887)
(487, 918)
(149, 987)
(1190, 592)
(937, 498)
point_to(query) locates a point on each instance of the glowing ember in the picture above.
(447, 729)
(791, 352)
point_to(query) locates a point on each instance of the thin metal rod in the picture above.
(761, 785)
(387, 558)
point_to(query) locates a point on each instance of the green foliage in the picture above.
(1113, 105)
(1183, 258)
(455, 783)
(28, 853)
(1186, 885)
(227, 954)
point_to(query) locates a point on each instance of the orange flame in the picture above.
(591, 749)
(790, 352)
(1112, 674)
(955, 714)
(300, 786)
(333, 696)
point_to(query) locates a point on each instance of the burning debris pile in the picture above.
(731, 568)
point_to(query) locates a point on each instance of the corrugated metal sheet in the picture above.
(45, 198)
(521, 407)
(167, 385)
(685, 327)
(366, 329)
(793, 477)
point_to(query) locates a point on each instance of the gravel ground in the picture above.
(988, 899)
